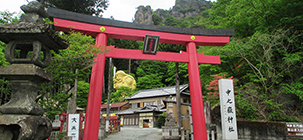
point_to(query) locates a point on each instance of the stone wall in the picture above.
(261, 130)
(254, 130)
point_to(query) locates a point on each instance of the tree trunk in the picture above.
(178, 97)
(72, 104)
(129, 66)
(108, 93)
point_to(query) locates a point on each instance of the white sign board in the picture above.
(73, 126)
(228, 109)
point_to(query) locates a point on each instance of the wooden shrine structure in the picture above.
(103, 29)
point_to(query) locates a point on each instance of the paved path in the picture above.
(135, 133)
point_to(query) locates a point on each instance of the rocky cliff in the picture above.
(182, 9)
(144, 15)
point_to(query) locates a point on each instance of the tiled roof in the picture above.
(114, 105)
(165, 91)
(148, 108)
(128, 111)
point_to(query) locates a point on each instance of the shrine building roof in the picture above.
(158, 92)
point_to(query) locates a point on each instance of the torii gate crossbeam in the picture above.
(105, 28)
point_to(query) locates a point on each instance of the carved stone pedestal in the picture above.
(25, 79)
(170, 133)
(102, 132)
(24, 127)
(22, 117)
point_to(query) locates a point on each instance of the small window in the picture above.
(150, 103)
(134, 105)
(186, 101)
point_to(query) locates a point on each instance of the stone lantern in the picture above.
(28, 50)
(170, 131)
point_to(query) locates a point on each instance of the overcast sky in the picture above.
(123, 10)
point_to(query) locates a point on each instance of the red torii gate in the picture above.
(105, 28)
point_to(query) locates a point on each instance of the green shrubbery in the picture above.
(161, 120)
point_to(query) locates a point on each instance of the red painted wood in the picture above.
(161, 56)
(136, 34)
(208, 59)
(95, 94)
(191, 57)
(199, 124)
(138, 54)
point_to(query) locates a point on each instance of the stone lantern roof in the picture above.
(32, 27)
(31, 34)
(32, 31)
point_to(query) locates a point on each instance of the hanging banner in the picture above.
(150, 44)
(73, 126)
(228, 110)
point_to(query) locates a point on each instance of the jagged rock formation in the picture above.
(187, 8)
(144, 15)
(182, 9)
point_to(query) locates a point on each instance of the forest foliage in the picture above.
(90, 7)
(264, 57)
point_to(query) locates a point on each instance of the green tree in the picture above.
(150, 81)
(170, 20)
(249, 16)
(91, 7)
(161, 120)
(79, 55)
(272, 59)
(120, 94)
(171, 74)
(3, 61)
(151, 74)
(6, 17)
(156, 19)
(269, 56)
(82, 94)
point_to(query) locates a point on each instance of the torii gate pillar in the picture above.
(198, 116)
(92, 119)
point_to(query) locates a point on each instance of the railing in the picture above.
(114, 125)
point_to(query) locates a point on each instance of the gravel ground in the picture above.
(135, 133)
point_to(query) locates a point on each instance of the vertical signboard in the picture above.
(228, 109)
(150, 44)
(73, 126)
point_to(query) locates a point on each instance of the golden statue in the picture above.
(122, 79)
